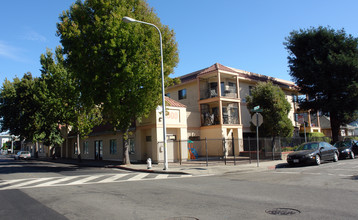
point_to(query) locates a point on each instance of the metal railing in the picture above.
(232, 150)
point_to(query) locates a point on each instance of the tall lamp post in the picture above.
(130, 20)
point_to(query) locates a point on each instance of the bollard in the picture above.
(149, 163)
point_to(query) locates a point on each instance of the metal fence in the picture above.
(232, 150)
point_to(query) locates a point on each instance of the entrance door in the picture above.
(98, 150)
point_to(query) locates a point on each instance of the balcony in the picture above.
(210, 89)
(210, 114)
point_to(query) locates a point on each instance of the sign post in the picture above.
(257, 109)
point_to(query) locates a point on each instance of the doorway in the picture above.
(98, 150)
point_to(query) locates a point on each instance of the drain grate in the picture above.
(283, 211)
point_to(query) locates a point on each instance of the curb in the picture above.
(146, 170)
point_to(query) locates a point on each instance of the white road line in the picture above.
(345, 175)
(28, 183)
(113, 178)
(7, 182)
(81, 181)
(50, 183)
(138, 177)
(59, 181)
(161, 176)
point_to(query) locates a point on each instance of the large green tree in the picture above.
(275, 109)
(324, 64)
(61, 102)
(117, 65)
(20, 112)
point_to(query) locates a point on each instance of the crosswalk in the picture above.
(82, 180)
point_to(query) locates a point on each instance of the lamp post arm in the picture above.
(129, 20)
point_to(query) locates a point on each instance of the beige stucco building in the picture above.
(146, 139)
(209, 103)
(216, 102)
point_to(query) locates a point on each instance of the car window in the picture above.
(308, 146)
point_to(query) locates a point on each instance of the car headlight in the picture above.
(310, 155)
(346, 151)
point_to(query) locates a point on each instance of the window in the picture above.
(113, 146)
(131, 145)
(182, 94)
(75, 150)
(85, 147)
(250, 90)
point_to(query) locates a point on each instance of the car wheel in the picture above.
(352, 156)
(335, 157)
(318, 160)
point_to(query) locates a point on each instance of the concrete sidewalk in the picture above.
(211, 169)
(215, 167)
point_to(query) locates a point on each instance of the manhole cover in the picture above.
(282, 211)
(182, 218)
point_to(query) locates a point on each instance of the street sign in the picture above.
(254, 119)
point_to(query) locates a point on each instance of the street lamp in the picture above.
(130, 20)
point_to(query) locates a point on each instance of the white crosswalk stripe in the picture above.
(113, 178)
(81, 180)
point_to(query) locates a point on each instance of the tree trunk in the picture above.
(126, 159)
(36, 154)
(78, 149)
(335, 127)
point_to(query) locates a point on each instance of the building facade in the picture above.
(209, 103)
(216, 102)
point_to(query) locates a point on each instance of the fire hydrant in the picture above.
(149, 163)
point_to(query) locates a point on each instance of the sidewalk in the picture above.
(187, 168)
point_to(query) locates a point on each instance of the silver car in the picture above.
(22, 155)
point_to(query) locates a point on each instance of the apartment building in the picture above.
(208, 103)
(216, 102)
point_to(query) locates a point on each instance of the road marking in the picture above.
(138, 177)
(163, 176)
(28, 182)
(113, 178)
(59, 180)
(84, 180)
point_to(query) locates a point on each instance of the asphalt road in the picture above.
(41, 190)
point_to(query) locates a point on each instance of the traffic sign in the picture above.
(254, 119)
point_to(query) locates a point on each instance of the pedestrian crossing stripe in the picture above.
(83, 179)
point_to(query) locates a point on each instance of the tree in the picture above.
(20, 112)
(62, 105)
(324, 64)
(275, 108)
(117, 65)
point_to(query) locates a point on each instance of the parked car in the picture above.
(313, 153)
(347, 148)
(22, 155)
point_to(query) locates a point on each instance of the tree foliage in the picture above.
(117, 65)
(34, 108)
(324, 64)
(275, 107)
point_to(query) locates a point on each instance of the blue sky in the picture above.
(247, 35)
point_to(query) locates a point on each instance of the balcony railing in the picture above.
(210, 93)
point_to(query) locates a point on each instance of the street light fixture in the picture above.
(131, 20)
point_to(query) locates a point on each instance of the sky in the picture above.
(247, 35)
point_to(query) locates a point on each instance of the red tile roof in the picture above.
(173, 103)
(241, 73)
